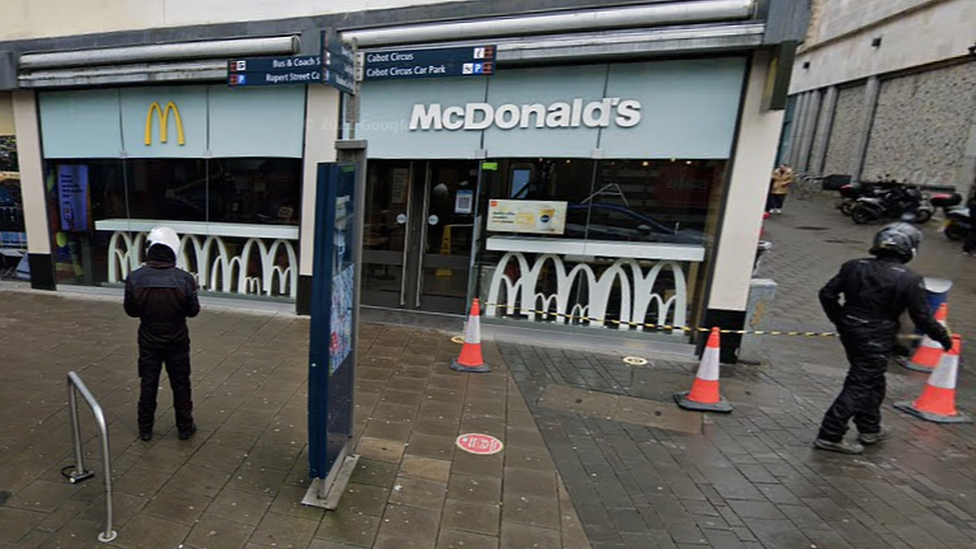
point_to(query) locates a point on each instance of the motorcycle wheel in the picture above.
(863, 216)
(955, 231)
(846, 208)
(923, 216)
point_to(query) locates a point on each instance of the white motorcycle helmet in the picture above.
(165, 236)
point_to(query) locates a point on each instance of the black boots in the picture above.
(184, 435)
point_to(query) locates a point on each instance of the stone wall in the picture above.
(921, 126)
(848, 117)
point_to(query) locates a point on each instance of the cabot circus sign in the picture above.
(624, 113)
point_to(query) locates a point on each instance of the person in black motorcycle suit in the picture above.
(876, 292)
(163, 296)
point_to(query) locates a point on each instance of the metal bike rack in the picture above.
(75, 384)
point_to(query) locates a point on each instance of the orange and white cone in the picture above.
(471, 360)
(938, 400)
(704, 395)
(929, 353)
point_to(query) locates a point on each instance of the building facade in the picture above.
(886, 89)
(609, 176)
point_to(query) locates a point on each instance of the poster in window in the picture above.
(73, 200)
(401, 176)
(464, 202)
(526, 216)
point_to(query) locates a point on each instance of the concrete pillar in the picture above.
(756, 142)
(797, 122)
(818, 153)
(6, 114)
(809, 130)
(31, 161)
(864, 136)
(322, 122)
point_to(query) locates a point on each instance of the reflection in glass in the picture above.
(255, 190)
(167, 188)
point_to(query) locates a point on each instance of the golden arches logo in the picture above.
(162, 114)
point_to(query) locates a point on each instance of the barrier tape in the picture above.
(686, 329)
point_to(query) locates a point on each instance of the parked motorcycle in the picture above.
(946, 201)
(957, 224)
(852, 191)
(900, 201)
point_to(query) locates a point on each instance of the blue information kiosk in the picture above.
(334, 327)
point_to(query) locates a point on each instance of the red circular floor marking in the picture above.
(477, 443)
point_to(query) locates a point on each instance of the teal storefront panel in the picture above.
(662, 109)
(533, 88)
(688, 108)
(199, 122)
(257, 122)
(165, 122)
(81, 124)
(386, 109)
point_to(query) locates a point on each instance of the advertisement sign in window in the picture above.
(73, 197)
(526, 216)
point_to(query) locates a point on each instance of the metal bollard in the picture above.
(75, 384)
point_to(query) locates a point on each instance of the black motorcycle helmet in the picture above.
(899, 240)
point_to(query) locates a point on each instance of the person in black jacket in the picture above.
(163, 297)
(969, 245)
(876, 292)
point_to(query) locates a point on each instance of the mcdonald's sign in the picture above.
(162, 114)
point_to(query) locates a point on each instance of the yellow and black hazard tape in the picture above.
(671, 328)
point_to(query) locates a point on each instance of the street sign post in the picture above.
(339, 61)
(335, 66)
(429, 63)
(332, 340)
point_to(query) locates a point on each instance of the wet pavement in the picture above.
(596, 453)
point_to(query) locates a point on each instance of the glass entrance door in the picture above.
(418, 234)
(385, 231)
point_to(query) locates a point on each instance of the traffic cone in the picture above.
(471, 360)
(704, 395)
(929, 353)
(938, 400)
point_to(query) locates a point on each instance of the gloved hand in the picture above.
(946, 344)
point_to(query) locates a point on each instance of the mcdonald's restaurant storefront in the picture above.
(221, 166)
(576, 199)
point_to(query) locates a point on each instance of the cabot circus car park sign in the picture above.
(429, 63)
(624, 113)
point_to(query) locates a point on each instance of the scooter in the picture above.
(852, 191)
(957, 224)
(896, 203)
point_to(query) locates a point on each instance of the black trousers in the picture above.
(970, 243)
(177, 360)
(775, 201)
(862, 395)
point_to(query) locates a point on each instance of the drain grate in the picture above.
(842, 241)
(812, 228)
(4, 496)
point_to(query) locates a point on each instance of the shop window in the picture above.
(631, 248)
(101, 210)
(80, 194)
(167, 189)
(255, 190)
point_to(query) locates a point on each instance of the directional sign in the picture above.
(273, 64)
(429, 63)
(339, 61)
(272, 71)
(340, 80)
